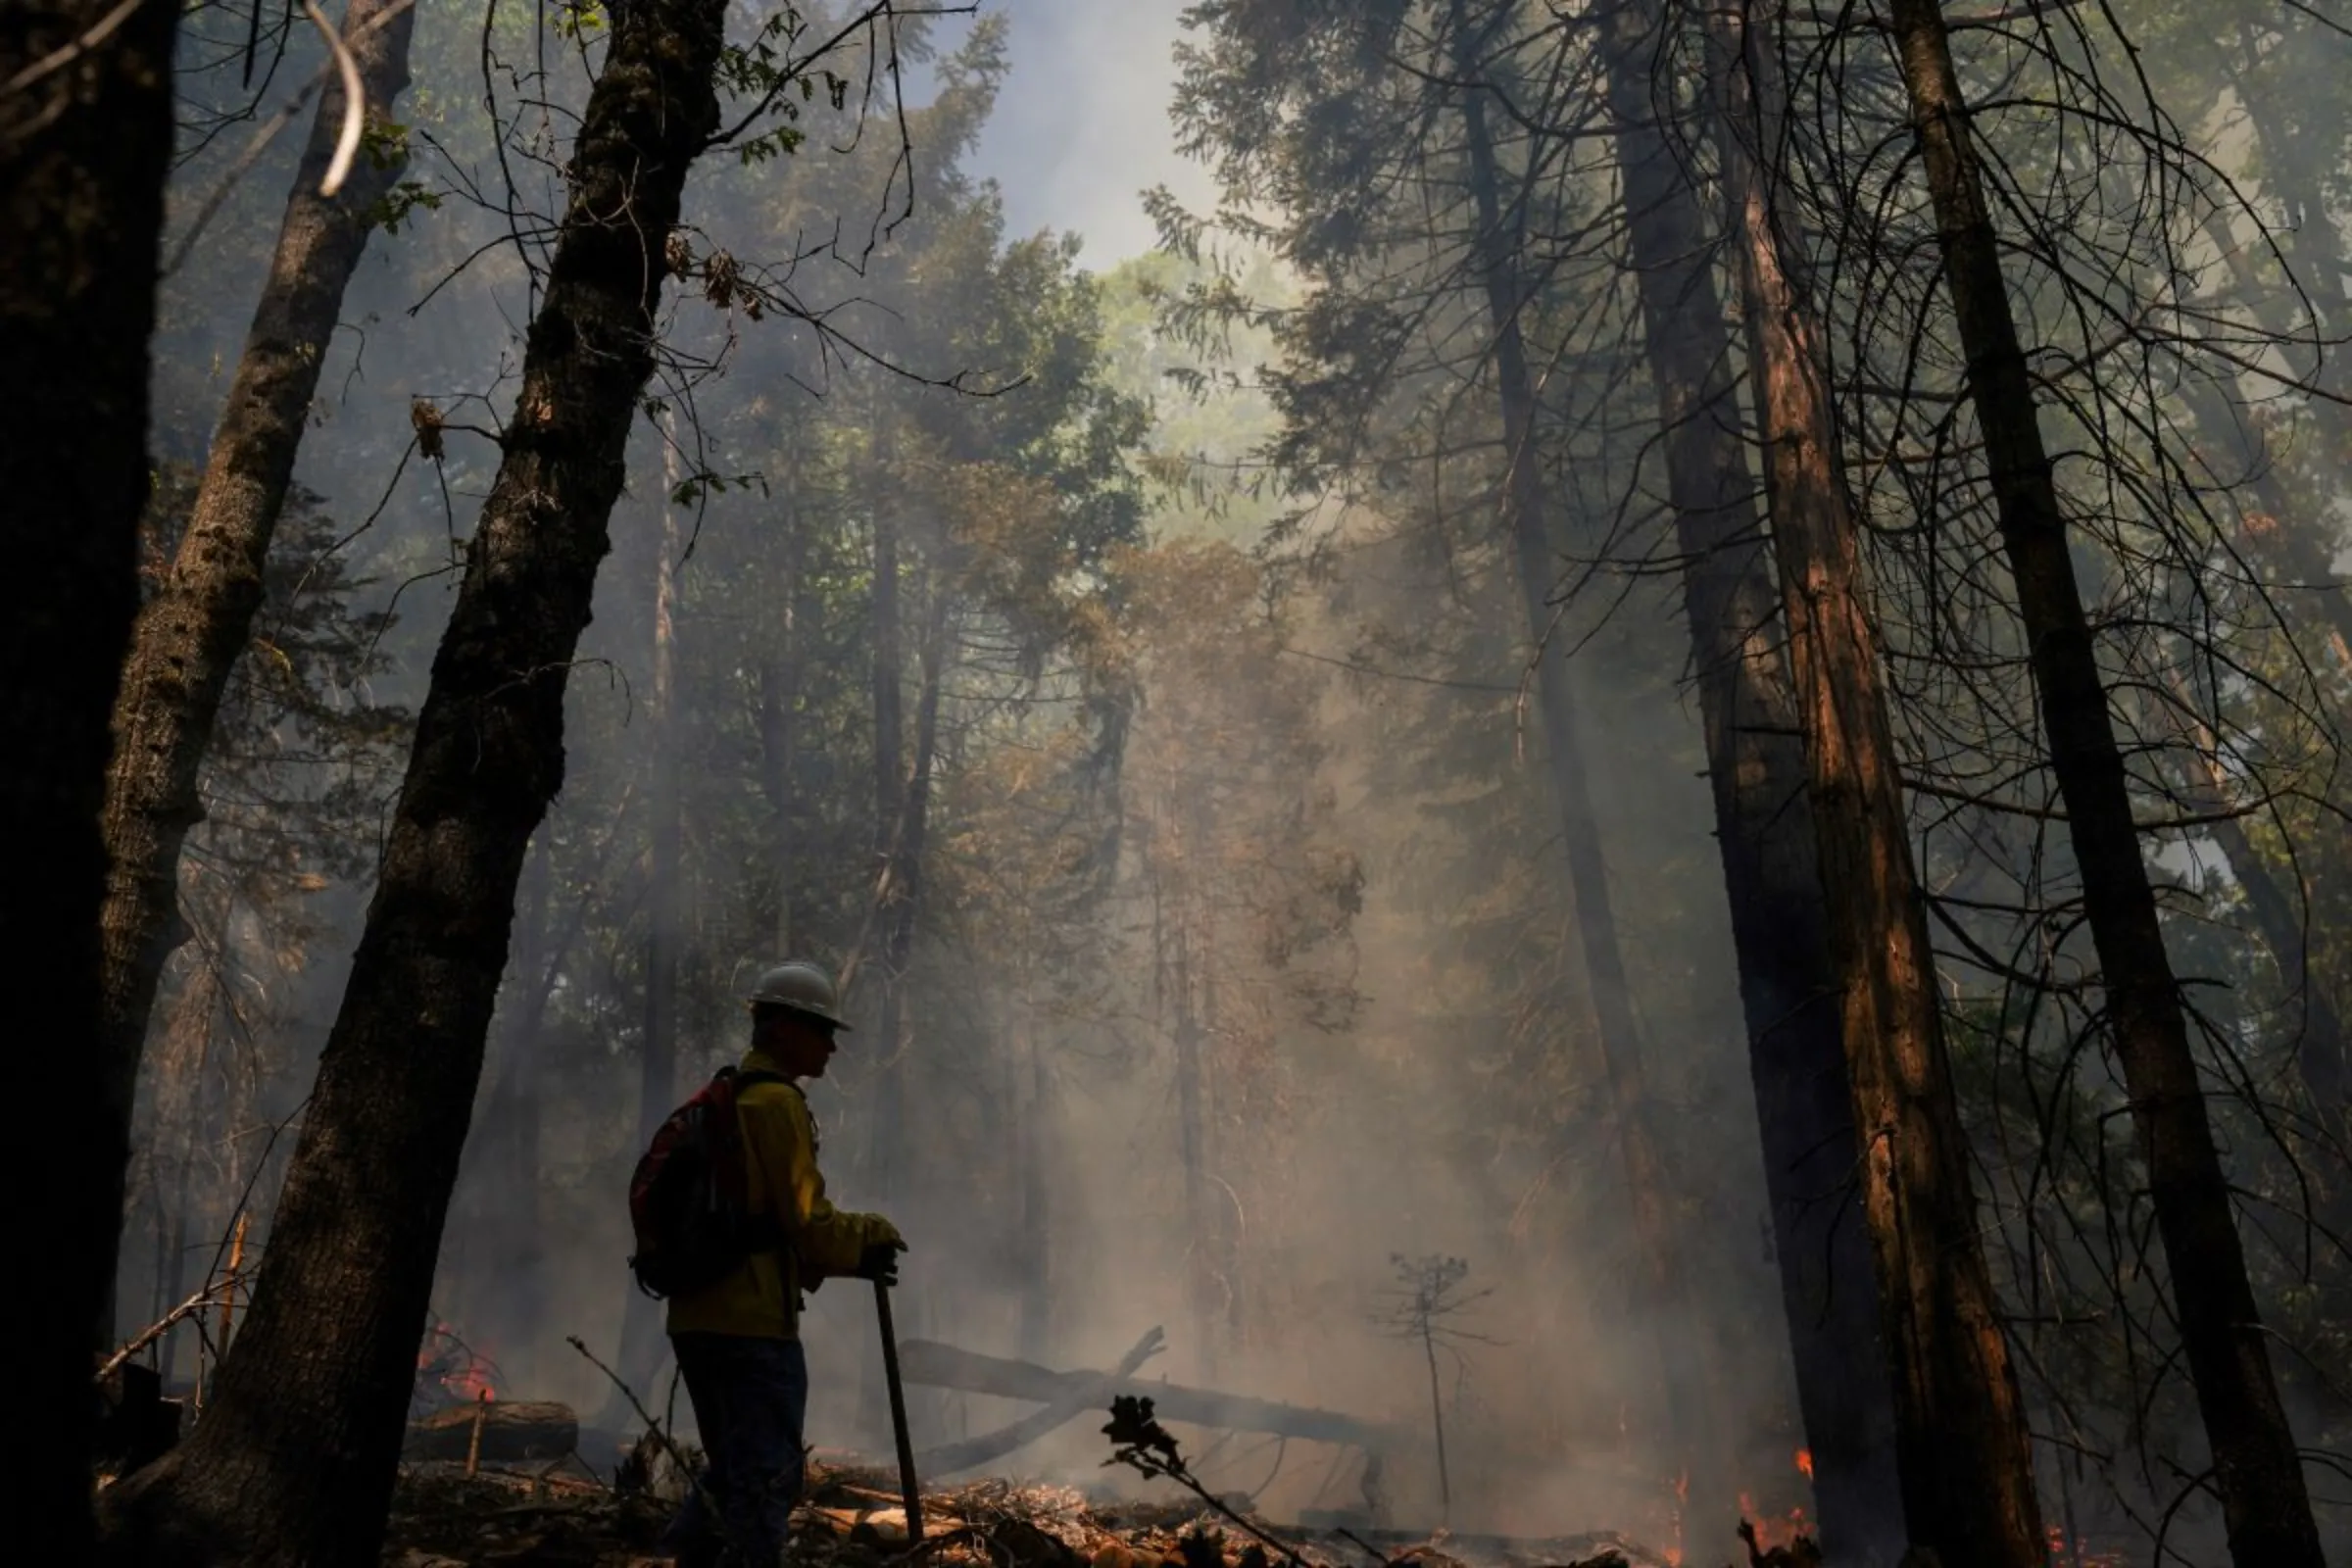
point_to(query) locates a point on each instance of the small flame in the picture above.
(453, 1371)
(2080, 1553)
(1804, 1462)
(469, 1385)
(1771, 1532)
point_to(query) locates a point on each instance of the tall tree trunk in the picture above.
(1961, 1439)
(779, 731)
(1763, 829)
(1027, 1096)
(1191, 1119)
(295, 1459)
(2256, 1470)
(641, 1346)
(890, 792)
(86, 135)
(1666, 1295)
(902, 905)
(189, 635)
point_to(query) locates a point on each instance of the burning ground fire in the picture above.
(1766, 1532)
(449, 1371)
(1785, 1529)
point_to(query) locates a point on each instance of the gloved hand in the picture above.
(879, 1261)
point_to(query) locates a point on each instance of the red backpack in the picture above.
(690, 1197)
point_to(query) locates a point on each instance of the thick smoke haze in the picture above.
(1132, 664)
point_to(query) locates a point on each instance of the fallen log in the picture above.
(1092, 1394)
(943, 1366)
(511, 1430)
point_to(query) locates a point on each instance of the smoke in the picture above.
(1083, 123)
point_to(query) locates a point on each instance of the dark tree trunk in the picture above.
(85, 134)
(1665, 1292)
(1961, 1441)
(1763, 831)
(188, 637)
(294, 1461)
(2257, 1471)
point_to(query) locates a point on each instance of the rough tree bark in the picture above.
(1961, 1439)
(2257, 1471)
(189, 635)
(1695, 1436)
(294, 1461)
(1763, 826)
(85, 134)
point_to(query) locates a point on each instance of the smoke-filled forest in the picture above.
(1574, 765)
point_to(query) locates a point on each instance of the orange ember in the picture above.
(458, 1373)
(1804, 1462)
(1771, 1533)
(470, 1384)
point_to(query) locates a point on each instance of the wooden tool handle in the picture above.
(908, 1487)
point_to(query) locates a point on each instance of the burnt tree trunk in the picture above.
(1763, 829)
(86, 135)
(1665, 1291)
(294, 1460)
(2256, 1470)
(189, 635)
(1961, 1441)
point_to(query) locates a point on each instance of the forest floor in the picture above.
(535, 1518)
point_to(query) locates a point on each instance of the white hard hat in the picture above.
(802, 985)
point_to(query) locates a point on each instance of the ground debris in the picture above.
(558, 1516)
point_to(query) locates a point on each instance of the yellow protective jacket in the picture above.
(762, 1299)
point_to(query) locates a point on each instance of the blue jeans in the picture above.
(751, 1397)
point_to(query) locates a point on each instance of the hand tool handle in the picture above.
(908, 1488)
